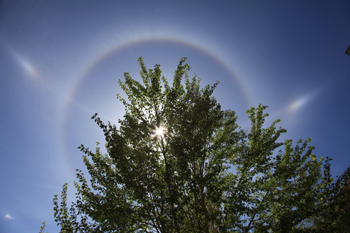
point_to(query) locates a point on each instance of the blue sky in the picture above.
(60, 62)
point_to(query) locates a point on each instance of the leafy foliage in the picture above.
(178, 163)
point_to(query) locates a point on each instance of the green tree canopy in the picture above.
(179, 163)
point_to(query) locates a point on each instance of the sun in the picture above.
(159, 131)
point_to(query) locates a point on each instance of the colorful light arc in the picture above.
(114, 50)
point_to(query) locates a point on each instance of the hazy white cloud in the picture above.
(8, 216)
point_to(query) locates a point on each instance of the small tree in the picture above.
(178, 163)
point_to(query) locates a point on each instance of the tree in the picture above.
(178, 163)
